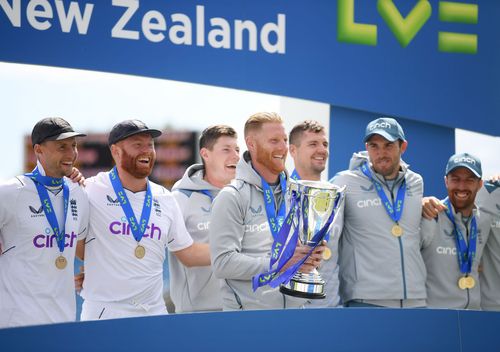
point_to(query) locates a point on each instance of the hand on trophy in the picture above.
(311, 263)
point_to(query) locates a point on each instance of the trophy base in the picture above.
(309, 286)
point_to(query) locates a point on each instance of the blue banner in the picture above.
(428, 60)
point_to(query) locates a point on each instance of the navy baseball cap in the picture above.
(465, 160)
(387, 127)
(52, 129)
(129, 128)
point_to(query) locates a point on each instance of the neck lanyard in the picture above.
(45, 181)
(465, 253)
(138, 228)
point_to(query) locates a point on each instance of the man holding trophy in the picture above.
(379, 254)
(309, 150)
(248, 231)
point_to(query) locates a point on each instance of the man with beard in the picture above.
(244, 222)
(379, 254)
(309, 150)
(459, 232)
(42, 215)
(124, 253)
(197, 289)
(488, 203)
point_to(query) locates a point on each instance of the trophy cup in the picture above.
(318, 204)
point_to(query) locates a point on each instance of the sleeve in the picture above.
(178, 237)
(226, 235)
(428, 229)
(9, 191)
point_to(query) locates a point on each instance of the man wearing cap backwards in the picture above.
(452, 243)
(309, 150)
(379, 254)
(132, 221)
(197, 289)
(42, 215)
(244, 222)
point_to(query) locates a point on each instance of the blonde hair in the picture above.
(255, 122)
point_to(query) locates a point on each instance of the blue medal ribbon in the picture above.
(41, 182)
(295, 175)
(208, 194)
(138, 228)
(395, 211)
(465, 253)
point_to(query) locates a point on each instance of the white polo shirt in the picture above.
(112, 272)
(32, 290)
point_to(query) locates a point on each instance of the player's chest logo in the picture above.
(113, 202)
(36, 212)
(157, 207)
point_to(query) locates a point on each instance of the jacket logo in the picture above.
(112, 201)
(74, 209)
(367, 189)
(449, 234)
(256, 211)
(156, 206)
(36, 213)
(207, 210)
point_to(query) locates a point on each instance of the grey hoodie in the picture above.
(375, 266)
(194, 289)
(439, 251)
(240, 242)
(488, 200)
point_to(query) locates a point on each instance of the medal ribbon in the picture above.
(465, 253)
(208, 194)
(295, 175)
(278, 248)
(138, 229)
(395, 211)
(41, 182)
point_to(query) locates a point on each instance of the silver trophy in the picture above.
(318, 203)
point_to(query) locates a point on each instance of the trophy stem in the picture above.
(310, 286)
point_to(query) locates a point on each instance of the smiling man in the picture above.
(240, 234)
(133, 221)
(453, 242)
(197, 289)
(379, 255)
(42, 215)
(309, 150)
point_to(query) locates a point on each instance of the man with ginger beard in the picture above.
(241, 229)
(132, 222)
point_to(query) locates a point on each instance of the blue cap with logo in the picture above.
(386, 127)
(465, 160)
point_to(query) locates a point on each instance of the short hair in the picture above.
(256, 121)
(299, 129)
(211, 134)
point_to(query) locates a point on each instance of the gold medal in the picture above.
(61, 262)
(140, 251)
(327, 253)
(462, 283)
(397, 230)
(470, 282)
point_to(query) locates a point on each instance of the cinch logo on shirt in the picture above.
(203, 225)
(49, 241)
(123, 228)
(446, 250)
(369, 203)
(257, 227)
